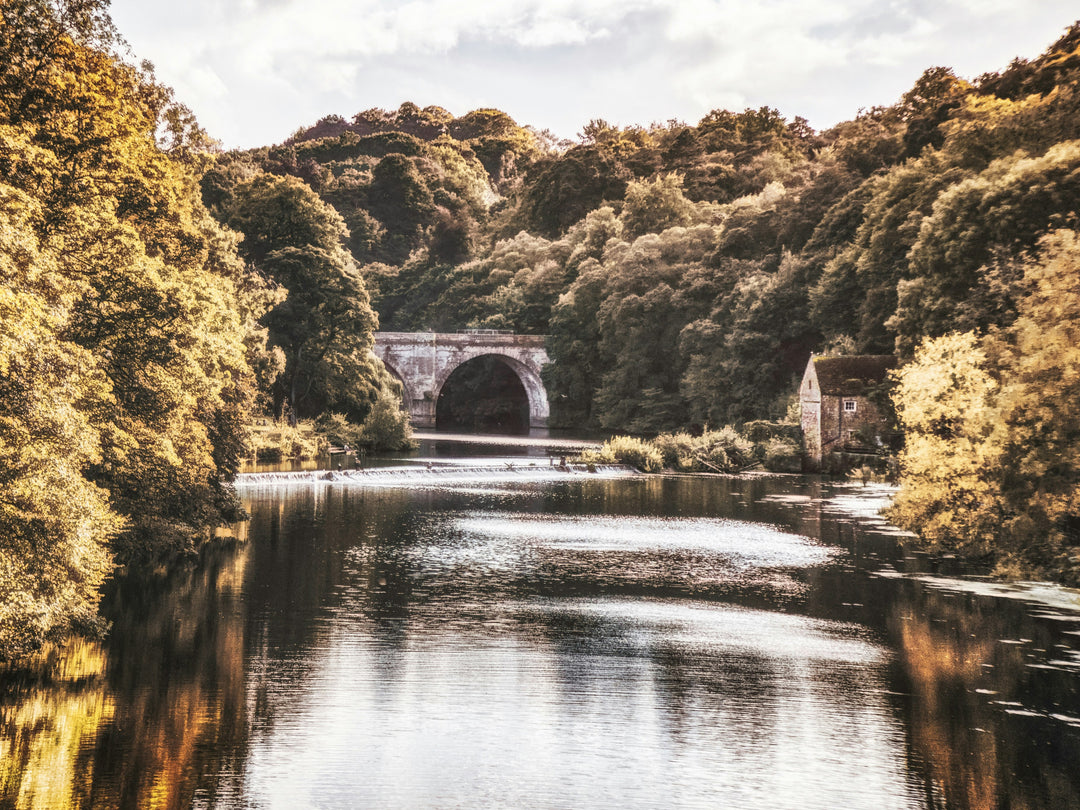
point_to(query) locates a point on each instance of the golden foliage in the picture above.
(992, 458)
(124, 326)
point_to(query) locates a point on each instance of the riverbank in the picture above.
(771, 445)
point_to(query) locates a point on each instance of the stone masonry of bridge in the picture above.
(424, 361)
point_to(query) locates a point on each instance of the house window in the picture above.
(849, 406)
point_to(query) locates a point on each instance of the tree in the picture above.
(1001, 212)
(927, 105)
(1038, 428)
(651, 206)
(399, 198)
(950, 468)
(991, 466)
(561, 190)
(282, 212)
(325, 328)
(124, 322)
(55, 526)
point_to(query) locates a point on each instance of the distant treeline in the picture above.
(686, 272)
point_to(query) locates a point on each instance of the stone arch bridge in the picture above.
(424, 361)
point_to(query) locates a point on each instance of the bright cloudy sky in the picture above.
(256, 70)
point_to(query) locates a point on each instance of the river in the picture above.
(507, 634)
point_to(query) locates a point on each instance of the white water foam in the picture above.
(430, 476)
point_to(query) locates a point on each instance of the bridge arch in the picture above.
(424, 361)
(529, 378)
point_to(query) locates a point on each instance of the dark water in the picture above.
(506, 641)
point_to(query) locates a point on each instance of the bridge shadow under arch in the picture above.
(484, 395)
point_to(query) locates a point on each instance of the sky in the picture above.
(255, 71)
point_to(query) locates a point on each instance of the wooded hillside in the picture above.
(686, 272)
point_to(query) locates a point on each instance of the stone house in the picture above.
(835, 405)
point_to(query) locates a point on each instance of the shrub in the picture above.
(387, 425)
(676, 450)
(278, 441)
(761, 430)
(626, 450)
(337, 430)
(782, 455)
(725, 449)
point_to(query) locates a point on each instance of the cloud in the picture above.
(250, 68)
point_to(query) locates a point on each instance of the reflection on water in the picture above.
(43, 727)
(644, 642)
(144, 719)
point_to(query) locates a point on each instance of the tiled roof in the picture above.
(850, 375)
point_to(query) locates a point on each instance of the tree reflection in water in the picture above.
(213, 681)
(151, 728)
(983, 701)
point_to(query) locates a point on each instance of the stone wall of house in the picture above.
(827, 425)
(839, 426)
(810, 402)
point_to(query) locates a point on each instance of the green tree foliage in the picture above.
(1039, 426)
(1001, 212)
(399, 198)
(950, 468)
(275, 213)
(654, 206)
(561, 190)
(616, 330)
(927, 105)
(387, 426)
(55, 524)
(991, 465)
(324, 326)
(124, 315)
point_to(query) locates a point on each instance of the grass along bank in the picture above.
(771, 445)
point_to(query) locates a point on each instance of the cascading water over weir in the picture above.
(411, 476)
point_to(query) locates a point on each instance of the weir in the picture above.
(408, 476)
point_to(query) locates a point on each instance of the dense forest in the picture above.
(157, 294)
(138, 334)
(686, 272)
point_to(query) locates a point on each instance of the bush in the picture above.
(387, 425)
(676, 450)
(726, 449)
(782, 455)
(278, 441)
(761, 431)
(337, 430)
(626, 450)
(713, 451)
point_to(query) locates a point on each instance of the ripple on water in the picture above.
(743, 544)
(491, 554)
(609, 703)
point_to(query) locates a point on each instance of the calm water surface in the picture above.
(543, 641)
